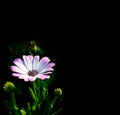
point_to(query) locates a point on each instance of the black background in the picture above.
(78, 42)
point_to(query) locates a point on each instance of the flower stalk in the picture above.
(15, 107)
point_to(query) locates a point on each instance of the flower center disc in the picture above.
(32, 73)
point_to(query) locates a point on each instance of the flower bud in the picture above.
(9, 87)
(58, 91)
(33, 46)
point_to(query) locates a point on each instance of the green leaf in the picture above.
(34, 107)
(23, 112)
(44, 93)
(38, 87)
(29, 107)
(32, 94)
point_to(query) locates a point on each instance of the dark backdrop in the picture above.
(77, 38)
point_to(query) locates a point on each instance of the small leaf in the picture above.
(23, 112)
(34, 107)
(29, 107)
(32, 94)
(44, 93)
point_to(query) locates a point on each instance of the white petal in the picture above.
(43, 63)
(48, 67)
(18, 62)
(42, 77)
(35, 61)
(48, 72)
(18, 70)
(32, 78)
(21, 76)
(26, 79)
(28, 61)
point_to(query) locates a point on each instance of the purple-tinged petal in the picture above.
(18, 62)
(42, 77)
(18, 70)
(45, 73)
(46, 70)
(35, 61)
(48, 67)
(21, 76)
(32, 78)
(43, 62)
(26, 79)
(16, 74)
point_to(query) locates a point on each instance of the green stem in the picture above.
(15, 107)
(56, 112)
(36, 103)
(38, 88)
(52, 104)
(34, 88)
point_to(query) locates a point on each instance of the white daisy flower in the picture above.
(31, 68)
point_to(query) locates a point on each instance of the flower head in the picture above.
(31, 68)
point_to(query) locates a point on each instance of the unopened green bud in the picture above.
(33, 46)
(9, 87)
(58, 91)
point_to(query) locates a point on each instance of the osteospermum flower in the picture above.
(31, 68)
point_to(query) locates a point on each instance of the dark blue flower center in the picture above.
(32, 73)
